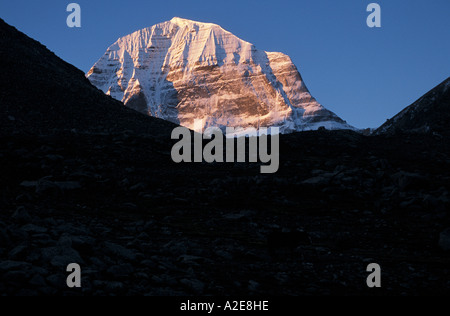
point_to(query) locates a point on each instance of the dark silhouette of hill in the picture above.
(42, 94)
(431, 113)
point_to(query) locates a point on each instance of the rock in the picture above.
(65, 241)
(58, 281)
(241, 215)
(157, 279)
(431, 202)
(195, 285)
(175, 247)
(68, 185)
(444, 240)
(317, 181)
(24, 198)
(149, 225)
(29, 184)
(280, 242)
(142, 276)
(31, 228)
(54, 158)
(120, 251)
(27, 293)
(18, 234)
(46, 187)
(38, 280)
(22, 215)
(86, 285)
(121, 271)
(60, 257)
(85, 176)
(282, 278)
(18, 253)
(224, 254)
(143, 236)
(129, 206)
(70, 229)
(96, 262)
(82, 243)
(47, 291)
(138, 187)
(50, 222)
(4, 238)
(35, 270)
(13, 266)
(17, 276)
(253, 285)
(33, 256)
(409, 181)
(148, 264)
(114, 286)
(43, 240)
(191, 260)
(62, 261)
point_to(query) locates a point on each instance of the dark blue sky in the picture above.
(364, 75)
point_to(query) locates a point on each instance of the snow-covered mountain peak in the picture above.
(182, 70)
(185, 22)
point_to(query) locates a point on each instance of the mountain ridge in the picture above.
(430, 113)
(60, 100)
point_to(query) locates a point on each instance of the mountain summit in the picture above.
(183, 70)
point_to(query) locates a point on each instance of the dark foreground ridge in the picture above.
(112, 200)
(42, 94)
(430, 113)
(140, 224)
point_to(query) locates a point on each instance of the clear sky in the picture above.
(364, 75)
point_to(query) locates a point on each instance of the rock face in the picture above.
(431, 113)
(183, 70)
(444, 240)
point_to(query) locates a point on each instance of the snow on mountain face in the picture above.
(183, 70)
